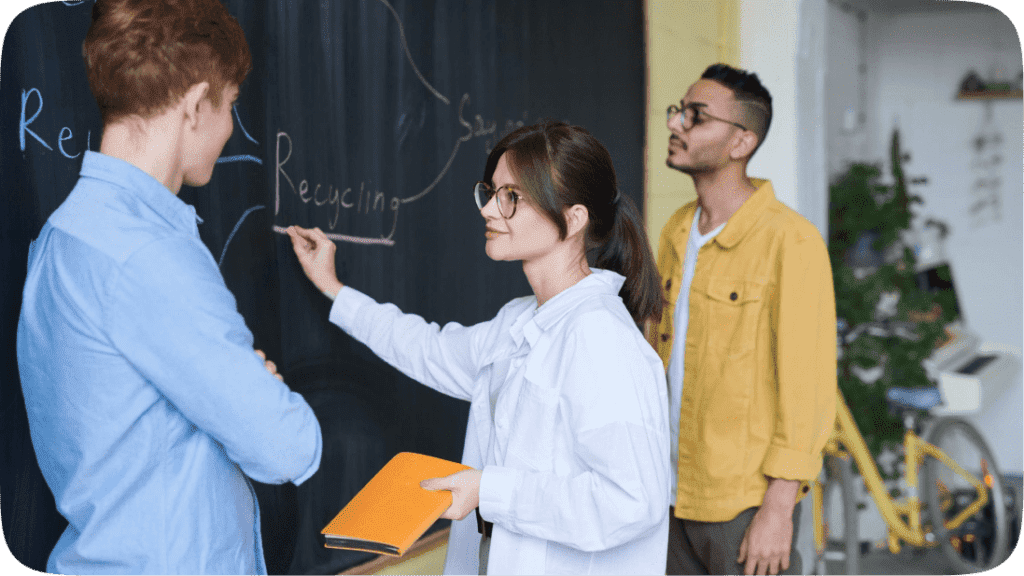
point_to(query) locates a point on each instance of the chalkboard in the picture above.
(370, 119)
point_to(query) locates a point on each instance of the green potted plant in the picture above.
(888, 323)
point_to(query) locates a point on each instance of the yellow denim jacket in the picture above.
(760, 376)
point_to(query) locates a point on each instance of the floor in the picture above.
(878, 559)
(930, 561)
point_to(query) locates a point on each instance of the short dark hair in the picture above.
(557, 166)
(748, 91)
(141, 56)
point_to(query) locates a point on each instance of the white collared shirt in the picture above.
(574, 451)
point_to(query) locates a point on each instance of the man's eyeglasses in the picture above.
(507, 198)
(695, 114)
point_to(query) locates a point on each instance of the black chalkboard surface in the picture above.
(370, 119)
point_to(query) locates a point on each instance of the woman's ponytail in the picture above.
(627, 251)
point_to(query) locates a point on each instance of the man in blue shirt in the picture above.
(147, 404)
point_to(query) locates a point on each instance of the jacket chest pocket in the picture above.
(533, 429)
(734, 308)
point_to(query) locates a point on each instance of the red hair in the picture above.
(142, 56)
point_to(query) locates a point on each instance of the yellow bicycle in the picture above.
(954, 496)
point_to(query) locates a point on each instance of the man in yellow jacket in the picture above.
(748, 339)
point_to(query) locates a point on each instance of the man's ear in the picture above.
(192, 100)
(576, 219)
(744, 145)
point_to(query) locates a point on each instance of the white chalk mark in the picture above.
(232, 235)
(464, 138)
(405, 46)
(439, 176)
(346, 238)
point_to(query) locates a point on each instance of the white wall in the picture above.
(915, 62)
(846, 90)
(783, 42)
(811, 105)
(768, 47)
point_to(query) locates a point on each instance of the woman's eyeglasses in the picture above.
(695, 114)
(507, 198)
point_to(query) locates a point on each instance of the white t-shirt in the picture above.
(681, 320)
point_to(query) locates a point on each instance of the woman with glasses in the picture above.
(568, 431)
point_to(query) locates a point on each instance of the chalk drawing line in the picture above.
(346, 238)
(234, 231)
(405, 46)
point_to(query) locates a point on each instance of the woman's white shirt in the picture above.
(568, 421)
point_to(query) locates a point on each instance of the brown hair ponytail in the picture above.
(627, 251)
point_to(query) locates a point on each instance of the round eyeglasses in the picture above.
(695, 114)
(507, 198)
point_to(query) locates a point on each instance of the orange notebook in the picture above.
(391, 512)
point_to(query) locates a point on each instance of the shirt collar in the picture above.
(141, 186)
(680, 236)
(737, 226)
(744, 219)
(533, 322)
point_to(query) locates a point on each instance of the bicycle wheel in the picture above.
(980, 541)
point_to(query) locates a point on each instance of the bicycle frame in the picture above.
(893, 511)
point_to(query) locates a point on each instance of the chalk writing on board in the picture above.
(241, 157)
(235, 231)
(464, 138)
(32, 105)
(478, 128)
(335, 198)
(244, 131)
(332, 199)
(24, 123)
(408, 55)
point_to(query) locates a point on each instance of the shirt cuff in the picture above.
(315, 465)
(790, 464)
(497, 485)
(346, 304)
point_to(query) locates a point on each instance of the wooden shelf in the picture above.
(990, 95)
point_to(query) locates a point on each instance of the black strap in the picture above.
(482, 526)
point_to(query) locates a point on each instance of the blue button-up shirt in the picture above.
(146, 403)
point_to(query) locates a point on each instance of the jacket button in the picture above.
(668, 284)
(733, 296)
(664, 337)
